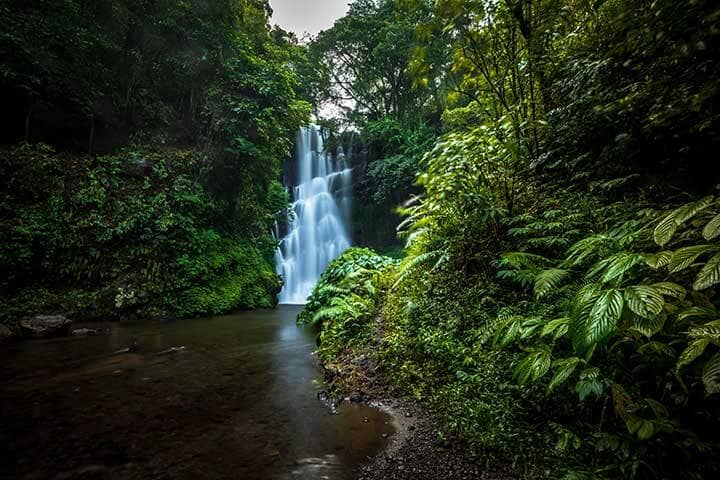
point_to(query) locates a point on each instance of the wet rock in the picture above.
(172, 350)
(44, 326)
(322, 396)
(88, 332)
(6, 334)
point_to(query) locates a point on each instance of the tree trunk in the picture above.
(91, 140)
(28, 117)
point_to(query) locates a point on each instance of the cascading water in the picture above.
(317, 223)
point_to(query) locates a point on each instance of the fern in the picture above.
(412, 263)
(548, 280)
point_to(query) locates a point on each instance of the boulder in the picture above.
(5, 333)
(44, 326)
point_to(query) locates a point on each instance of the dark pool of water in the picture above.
(238, 402)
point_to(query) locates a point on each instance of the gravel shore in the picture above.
(417, 452)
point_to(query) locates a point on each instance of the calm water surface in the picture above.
(239, 401)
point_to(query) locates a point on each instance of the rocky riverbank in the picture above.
(418, 452)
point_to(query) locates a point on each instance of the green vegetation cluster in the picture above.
(557, 305)
(141, 153)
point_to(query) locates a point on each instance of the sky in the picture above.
(307, 16)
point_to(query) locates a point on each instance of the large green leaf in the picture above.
(644, 300)
(712, 229)
(565, 368)
(694, 349)
(580, 316)
(649, 326)
(709, 331)
(667, 227)
(621, 264)
(604, 317)
(557, 328)
(684, 257)
(533, 366)
(644, 429)
(670, 289)
(658, 260)
(665, 230)
(709, 275)
(685, 213)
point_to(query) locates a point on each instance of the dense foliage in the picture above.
(557, 301)
(167, 124)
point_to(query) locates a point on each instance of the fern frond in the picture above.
(549, 280)
(411, 264)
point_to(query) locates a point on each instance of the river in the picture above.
(238, 401)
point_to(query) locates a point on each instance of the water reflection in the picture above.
(237, 402)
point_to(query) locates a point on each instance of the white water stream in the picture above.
(319, 217)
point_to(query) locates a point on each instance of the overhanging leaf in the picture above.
(684, 257)
(709, 275)
(712, 229)
(670, 289)
(694, 349)
(565, 368)
(604, 316)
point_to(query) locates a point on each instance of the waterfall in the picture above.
(317, 222)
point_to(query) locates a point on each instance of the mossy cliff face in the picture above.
(133, 233)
